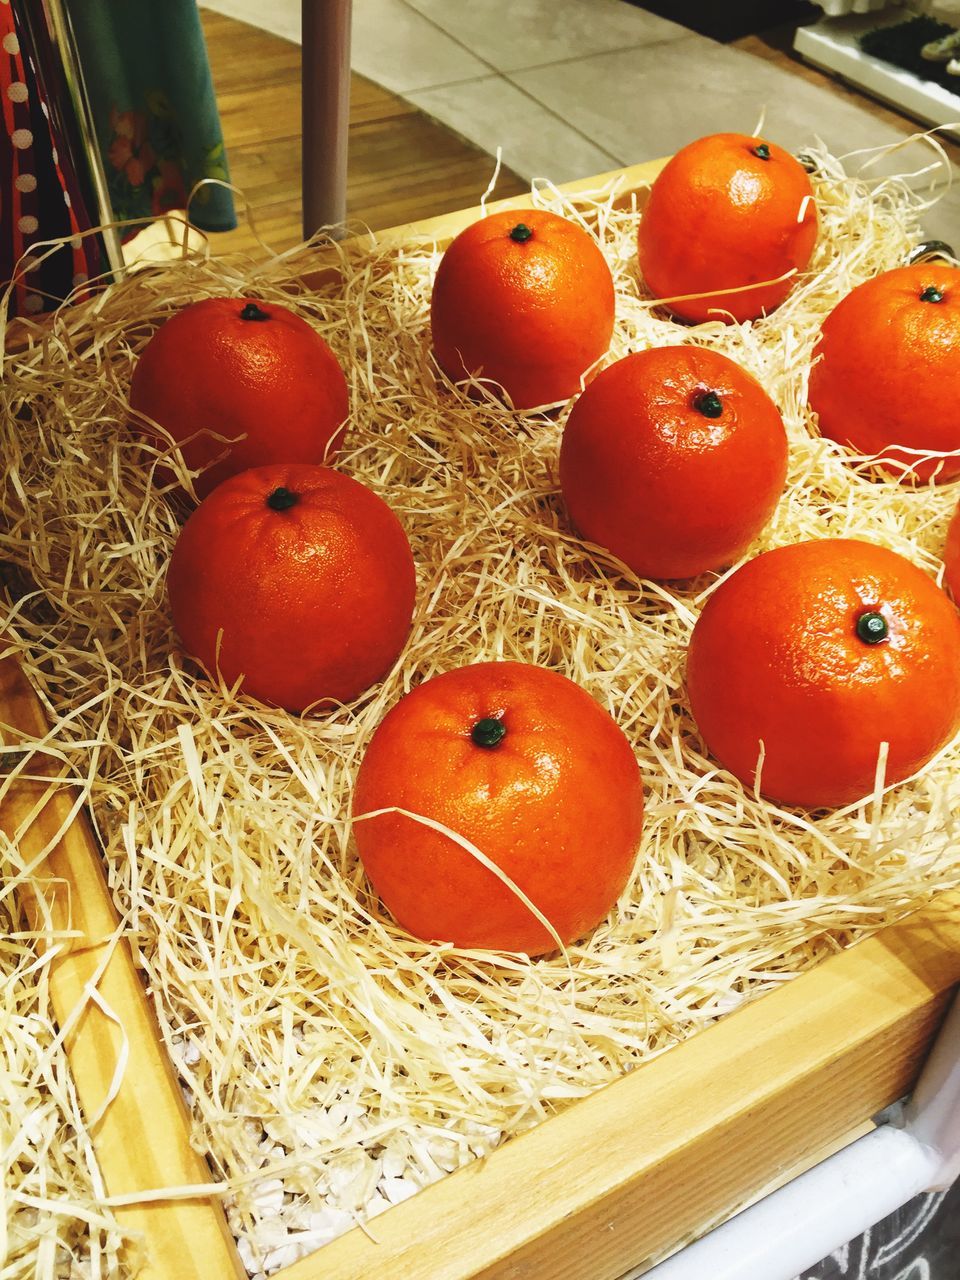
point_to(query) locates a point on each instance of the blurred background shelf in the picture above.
(833, 44)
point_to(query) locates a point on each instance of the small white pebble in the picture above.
(268, 1195)
(397, 1190)
(393, 1163)
(247, 1257)
(327, 1224)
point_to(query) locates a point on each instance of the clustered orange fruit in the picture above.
(529, 769)
(730, 222)
(498, 805)
(811, 656)
(524, 299)
(239, 383)
(886, 375)
(296, 580)
(674, 459)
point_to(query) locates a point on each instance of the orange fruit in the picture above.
(726, 211)
(250, 371)
(886, 372)
(297, 580)
(525, 299)
(951, 558)
(521, 762)
(822, 651)
(674, 459)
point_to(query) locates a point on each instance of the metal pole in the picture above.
(325, 78)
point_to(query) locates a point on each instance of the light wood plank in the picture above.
(142, 1142)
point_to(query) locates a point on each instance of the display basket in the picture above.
(616, 1179)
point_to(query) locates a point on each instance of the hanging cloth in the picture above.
(151, 94)
(41, 198)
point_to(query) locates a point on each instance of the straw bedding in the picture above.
(332, 1064)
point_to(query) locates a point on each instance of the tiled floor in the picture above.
(567, 88)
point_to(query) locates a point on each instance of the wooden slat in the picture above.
(658, 1156)
(142, 1141)
(628, 184)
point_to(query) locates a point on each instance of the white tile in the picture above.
(536, 143)
(514, 34)
(646, 102)
(391, 43)
(279, 17)
(402, 50)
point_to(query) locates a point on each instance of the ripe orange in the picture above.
(674, 459)
(295, 578)
(821, 651)
(247, 369)
(951, 558)
(728, 210)
(524, 299)
(524, 764)
(887, 372)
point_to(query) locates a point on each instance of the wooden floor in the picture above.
(402, 165)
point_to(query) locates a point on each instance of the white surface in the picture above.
(836, 8)
(933, 1115)
(514, 34)
(534, 139)
(646, 102)
(799, 1225)
(833, 45)
(279, 17)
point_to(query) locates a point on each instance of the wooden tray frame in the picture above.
(622, 1176)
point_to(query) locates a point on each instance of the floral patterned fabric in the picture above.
(147, 76)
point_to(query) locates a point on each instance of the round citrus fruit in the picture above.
(886, 374)
(524, 299)
(727, 211)
(297, 580)
(951, 558)
(673, 459)
(250, 372)
(526, 766)
(815, 655)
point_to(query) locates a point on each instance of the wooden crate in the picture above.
(621, 1176)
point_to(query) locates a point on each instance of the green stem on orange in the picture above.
(282, 499)
(708, 403)
(488, 732)
(872, 627)
(252, 312)
(521, 233)
(931, 294)
(762, 151)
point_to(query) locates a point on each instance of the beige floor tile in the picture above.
(513, 34)
(535, 142)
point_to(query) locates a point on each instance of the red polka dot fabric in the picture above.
(40, 200)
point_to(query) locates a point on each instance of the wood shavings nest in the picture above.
(332, 1064)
